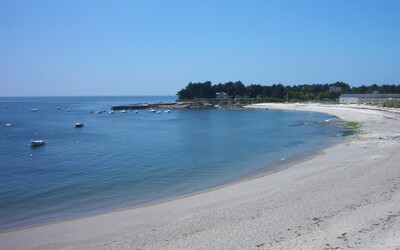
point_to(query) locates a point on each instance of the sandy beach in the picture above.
(347, 196)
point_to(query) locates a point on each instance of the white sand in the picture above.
(349, 196)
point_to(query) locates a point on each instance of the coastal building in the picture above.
(374, 98)
(222, 95)
(335, 89)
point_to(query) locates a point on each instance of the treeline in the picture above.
(278, 92)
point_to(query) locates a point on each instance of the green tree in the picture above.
(197, 90)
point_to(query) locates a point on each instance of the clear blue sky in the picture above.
(63, 48)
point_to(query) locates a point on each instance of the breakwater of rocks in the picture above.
(177, 105)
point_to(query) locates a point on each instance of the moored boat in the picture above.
(36, 143)
(78, 125)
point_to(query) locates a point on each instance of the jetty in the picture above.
(159, 105)
(209, 104)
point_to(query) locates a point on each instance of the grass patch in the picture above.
(392, 104)
(351, 128)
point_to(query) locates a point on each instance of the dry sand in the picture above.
(346, 197)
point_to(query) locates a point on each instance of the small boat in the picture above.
(36, 143)
(8, 124)
(136, 111)
(58, 108)
(68, 110)
(111, 112)
(78, 125)
(158, 112)
(122, 111)
(327, 121)
(152, 110)
(34, 110)
(167, 111)
(98, 112)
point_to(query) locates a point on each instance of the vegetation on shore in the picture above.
(392, 104)
(277, 92)
(351, 128)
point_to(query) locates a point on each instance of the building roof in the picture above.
(373, 95)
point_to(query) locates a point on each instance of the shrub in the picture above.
(392, 104)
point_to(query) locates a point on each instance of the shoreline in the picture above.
(269, 168)
(278, 166)
(217, 218)
(265, 169)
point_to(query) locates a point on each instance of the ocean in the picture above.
(122, 160)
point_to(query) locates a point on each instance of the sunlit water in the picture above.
(121, 160)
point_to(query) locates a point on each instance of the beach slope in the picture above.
(346, 197)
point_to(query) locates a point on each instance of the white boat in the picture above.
(136, 111)
(327, 121)
(158, 112)
(98, 112)
(34, 110)
(122, 111)
(58, 108)
(167, 111)
(152, 110)
(36, 143)
(8, 124)
(78, 125)
(111, 112)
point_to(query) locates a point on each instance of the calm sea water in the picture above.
(120, 160)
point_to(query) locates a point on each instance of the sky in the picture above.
(95, 47)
